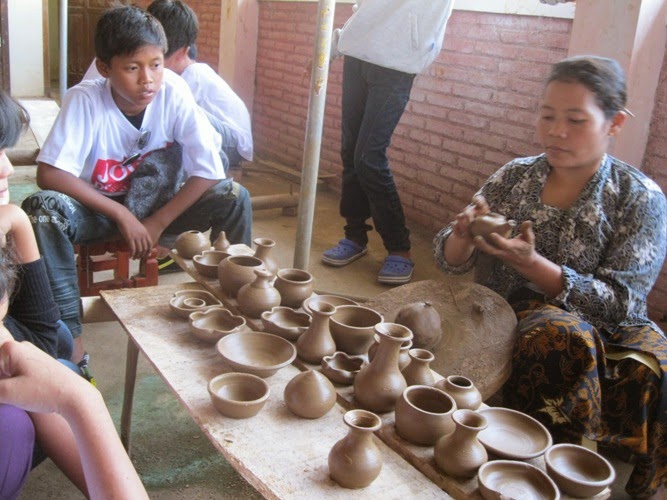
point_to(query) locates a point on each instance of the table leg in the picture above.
(128, 396)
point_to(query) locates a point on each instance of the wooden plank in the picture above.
(281, 455)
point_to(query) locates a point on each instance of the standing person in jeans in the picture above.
(385, 44)
(103, 135)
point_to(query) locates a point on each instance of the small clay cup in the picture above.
(295, 286)
(238, 395)
(424, 414)
(352, 328)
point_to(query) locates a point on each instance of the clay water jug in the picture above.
(221, 243)
(460, 453)
(379, 384)
(418, 372)
(191, 243)
(263, 252)
(259, 295)
(462, 390)
(355, 461)
(403, 356)
(317, 342)
(310, 395)
(237, 270)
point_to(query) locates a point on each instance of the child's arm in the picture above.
(15, 221)
(133, 232)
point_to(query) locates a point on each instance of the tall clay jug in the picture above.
(317, 342)
(379, 384)
(460, 453)
(258, 296)
(418, 372)
(221, 243)
(264, 253)
(355, 461)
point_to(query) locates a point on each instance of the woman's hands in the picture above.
(461, 226)
(518, 252)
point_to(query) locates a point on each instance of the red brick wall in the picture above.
(473, 109)
(208, 40)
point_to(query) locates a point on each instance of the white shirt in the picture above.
(214, 95)
(91, 137)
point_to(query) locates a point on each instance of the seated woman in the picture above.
(577, 271)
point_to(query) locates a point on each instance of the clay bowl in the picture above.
(352, 328)
(578, 471)
(238, 395)
(502, 479)
(512, 434)
(334, 300)
(342, 368)
(185, 302)
(214, 323)
(424, 414)
(207, 263)
(261, 354)
(285, 322)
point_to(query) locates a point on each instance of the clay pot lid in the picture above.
(258, 353)
(214, 323)
(285, 322)
(238, 395)
(509, 479)
(578, 471)
(207, 263)
(341, 367)
(185, 302)
(512, 434)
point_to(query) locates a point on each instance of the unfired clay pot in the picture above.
(484, 225)
(294, 285)
(237, 270)
(221, 243)
(352, 328)
(355, 461)
(258, 296)
(424, 322)
(191, 243)
(263, 252)
(317, 342)
(379, 384)
(418, 372)
(403, 356)
(424, 414)
(462, 390)
(310, 395)
(460, 453)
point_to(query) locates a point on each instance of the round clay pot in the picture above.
(424, 414)
(221, 243)
(317, 342)
(424, 322)
(484, 225)
(462, 390)
(258, 296)
(403, 355)
(418, 372)
(352, 328)
(294, 285)
(191, 243)
(310, 395)
(379, 384)
(460, 453)
(355, 461)
(236, 271)
(263, 252)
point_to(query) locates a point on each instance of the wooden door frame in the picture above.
(4, 49)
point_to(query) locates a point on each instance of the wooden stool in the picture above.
(112, 256)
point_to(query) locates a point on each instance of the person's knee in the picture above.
(42, 202)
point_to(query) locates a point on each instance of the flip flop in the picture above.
(396, 270)
(343, 253)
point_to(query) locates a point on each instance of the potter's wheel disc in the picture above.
(478, 328)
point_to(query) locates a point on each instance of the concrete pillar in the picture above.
(632, 32)
(239, 21)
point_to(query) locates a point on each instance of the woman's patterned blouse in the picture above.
(610, 243)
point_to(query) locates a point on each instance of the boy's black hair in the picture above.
(125, 29)
(13, 120)
(180, 25)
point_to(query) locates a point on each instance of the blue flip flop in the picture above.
(343, 253)
(396, 270)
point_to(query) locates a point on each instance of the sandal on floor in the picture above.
(342, 254)
(396, 270)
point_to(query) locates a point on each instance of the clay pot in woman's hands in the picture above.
(484, 225)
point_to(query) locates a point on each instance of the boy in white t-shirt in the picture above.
(226, 110)
(104, 132)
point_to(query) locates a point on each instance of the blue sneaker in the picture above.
(342, 254)
(396, 270)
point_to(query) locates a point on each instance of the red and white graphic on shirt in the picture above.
(112, 177)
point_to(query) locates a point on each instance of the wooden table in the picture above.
(281, 455)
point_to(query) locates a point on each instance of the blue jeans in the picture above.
(60, 221)
(230, 141)
(374, 99)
